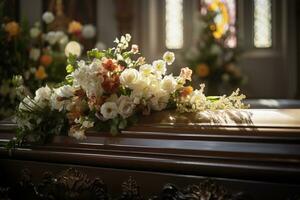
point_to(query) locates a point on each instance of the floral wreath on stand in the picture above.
(108, 92)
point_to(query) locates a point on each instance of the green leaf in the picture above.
(70, 68)
(123, 123)
(95, 53)
(72, 59)
(114, 129)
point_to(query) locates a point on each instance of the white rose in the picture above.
(129, 77)
(159, 101)
(126, 106)
(34, 32)
(48, 17)
(109, 110)
(159, 66)
(169, 84)
(146, 69)
(88, 31)
(169, 57)
(73, 48)
(34, 54)
(42, 96)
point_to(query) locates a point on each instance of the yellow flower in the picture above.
(40, 73)
(74, 27)
(12, 28)
(202, 70)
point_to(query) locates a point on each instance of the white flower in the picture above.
(73, 48)
(169, 57)
(34, 54)
(129, 77)
(88, 31)
(27, 104)
(134, 49)
(51, 37)
(169, 84)
(86, 76)
(146, 70)
(65, 91)
(126, 106)
(159, 101)
(128, 37)
(48, 17)
(159, 67)
(34, 32)
(100, 46)
(85, 122)
(42, 96)
(59, 99)
(109, 110)
(79, 134)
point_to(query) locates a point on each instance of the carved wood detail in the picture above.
(73, 184)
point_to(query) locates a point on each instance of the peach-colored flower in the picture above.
(12, 28)
(75, 27)
(40, 73)
(186, 73)
(110, 64)
(202, 70)
(186, 91)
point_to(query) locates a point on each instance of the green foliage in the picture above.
(39, 126)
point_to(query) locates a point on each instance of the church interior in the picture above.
(150, 99)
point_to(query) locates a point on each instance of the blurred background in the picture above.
(250, 44)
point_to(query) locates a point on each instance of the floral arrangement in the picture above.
(214, 55)
(14, 56)
(47, 52)
(37, 53)
(108, 92)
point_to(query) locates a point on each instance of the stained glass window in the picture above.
(174, 24)
(225, 19)
(262, 24)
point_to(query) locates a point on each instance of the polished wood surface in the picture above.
(259, 153)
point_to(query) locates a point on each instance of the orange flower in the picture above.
(12, 28)
(40, 73)
(109, 65)
(111, 84)
(75, 27)
(202, 70)
(186, 91)
(46, 60)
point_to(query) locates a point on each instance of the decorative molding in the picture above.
(73, 184)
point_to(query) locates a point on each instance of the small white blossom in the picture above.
(88, 31)
(169, 57)
(159, 67)
(146, 69)
(34, 32)
(34, 54)
(48, 17)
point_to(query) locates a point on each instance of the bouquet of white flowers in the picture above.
(109, 91)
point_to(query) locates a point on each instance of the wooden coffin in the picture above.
(165, 156)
